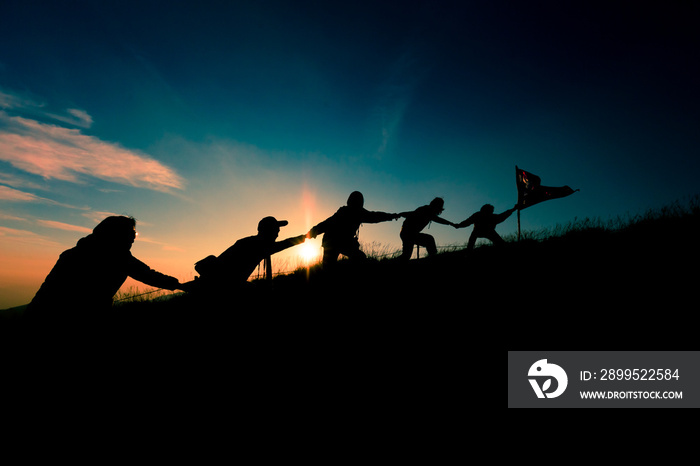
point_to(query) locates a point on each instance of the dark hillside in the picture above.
(382, 340)
(630, 285)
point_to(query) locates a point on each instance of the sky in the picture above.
(201, 118)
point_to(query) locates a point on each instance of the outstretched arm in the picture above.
(321, 227)
(378, 217)
(287, 243)
(502, 217)
(442, 221)
(143, 273)
(466, 223)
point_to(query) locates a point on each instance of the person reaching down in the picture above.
(485, 222)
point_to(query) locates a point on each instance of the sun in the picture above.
(309, 252)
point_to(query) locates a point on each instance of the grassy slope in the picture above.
(625, 285)
(383, 343)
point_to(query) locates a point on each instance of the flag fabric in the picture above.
(531, 191)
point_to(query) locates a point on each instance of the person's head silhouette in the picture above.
(117, 232)
(356, 200)
(269, 228)
(437, 205)
(487, 209)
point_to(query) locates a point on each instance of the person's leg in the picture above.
(330, 257)
(351, 249)
(472, 241)
(496, 239)
(354, 253)
(428, 242)
(408, 242)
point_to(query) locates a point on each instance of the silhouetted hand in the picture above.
(187, 287)
(311, 234)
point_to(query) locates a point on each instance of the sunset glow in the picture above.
(283, 109)
(309, 252)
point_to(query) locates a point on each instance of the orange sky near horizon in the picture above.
(204, 120)
(28, 257)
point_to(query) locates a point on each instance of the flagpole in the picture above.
(268, 268)
(520, 200)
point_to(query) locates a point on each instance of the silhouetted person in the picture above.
(485, 222)
(80, 287)
(233, 267)
(340, 230)
(416, 221)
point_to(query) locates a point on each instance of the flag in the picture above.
(531, 191)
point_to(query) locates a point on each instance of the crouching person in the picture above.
(219, 276)
(79, 289)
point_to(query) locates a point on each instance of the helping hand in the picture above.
(187, 287)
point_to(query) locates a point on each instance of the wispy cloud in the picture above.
(63, 226)
(165, 246)
(390, 116)
(30, 106)
(13, 218)
(17, 182)
(13, 235)
(396, 93)
(75, 117)
(55, 152)
(13, 100)
(15, 195)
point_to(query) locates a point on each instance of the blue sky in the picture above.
(200, 118)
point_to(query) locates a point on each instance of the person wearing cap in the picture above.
(485, 222)
(416, 221)
(238, 262)
(341, 230)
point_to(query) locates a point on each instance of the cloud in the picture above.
(55, 152)
(165, 246)
(12, 235)
(63, 226)
(29, 106)
(81, 116)
(396, 94)
(12, 218)
(15, 195)
(391, 115)
(17, 182)
(8, 101)
(76, 117)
